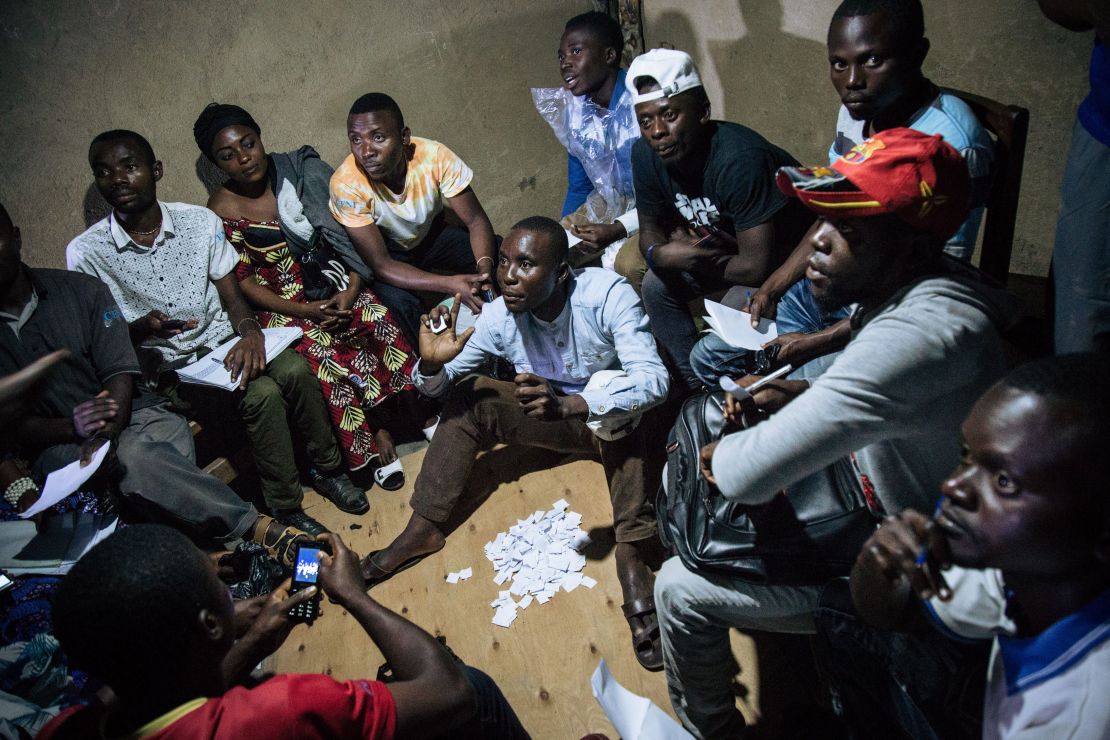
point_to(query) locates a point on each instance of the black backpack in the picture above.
(808, 533)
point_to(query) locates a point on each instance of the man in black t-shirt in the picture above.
(710, 214)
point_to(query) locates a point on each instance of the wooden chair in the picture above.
(1009, 127)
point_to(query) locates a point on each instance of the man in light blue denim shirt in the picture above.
(587, 370)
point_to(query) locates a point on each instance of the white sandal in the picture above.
(391, 477)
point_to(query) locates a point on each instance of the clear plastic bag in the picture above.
(601, 139)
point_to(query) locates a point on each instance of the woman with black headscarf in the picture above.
(297, 268)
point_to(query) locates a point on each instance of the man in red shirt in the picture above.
(145, 612)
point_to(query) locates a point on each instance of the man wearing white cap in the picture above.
(710, 214)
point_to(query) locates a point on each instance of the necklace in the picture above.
(140, 233)
(144, 233)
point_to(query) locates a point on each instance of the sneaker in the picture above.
(339, 489)
(300, 520)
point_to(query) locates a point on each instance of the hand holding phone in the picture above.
(306, 569)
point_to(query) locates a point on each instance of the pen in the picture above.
(729, 385)
(922, 556)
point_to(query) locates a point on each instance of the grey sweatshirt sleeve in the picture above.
(902, 362)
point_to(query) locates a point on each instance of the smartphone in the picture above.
(172, 324)
(305, 570)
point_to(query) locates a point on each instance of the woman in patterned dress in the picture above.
(297, 268)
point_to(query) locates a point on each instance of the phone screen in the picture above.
(307, 566)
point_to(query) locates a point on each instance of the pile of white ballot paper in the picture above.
(539, 555)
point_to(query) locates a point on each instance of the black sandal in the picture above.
(373, 574)
(646, 640)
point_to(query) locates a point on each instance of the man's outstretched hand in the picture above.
(436, 350)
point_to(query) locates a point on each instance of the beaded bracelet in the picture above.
(15, 491)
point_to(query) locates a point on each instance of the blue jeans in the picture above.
(1081, 257)
(666, 295)
(712, 357)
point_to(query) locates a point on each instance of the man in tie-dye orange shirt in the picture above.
(389, 195)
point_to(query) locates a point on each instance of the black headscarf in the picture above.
(215, 118)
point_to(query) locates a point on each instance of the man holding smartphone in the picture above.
(145, 612)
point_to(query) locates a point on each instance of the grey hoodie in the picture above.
(896, 396)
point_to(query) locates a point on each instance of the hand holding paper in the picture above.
(65, 481)
(735, 327)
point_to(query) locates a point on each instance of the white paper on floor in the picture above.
(461, 575)
(634, 716)
(540, 555)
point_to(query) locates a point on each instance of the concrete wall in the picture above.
(765, 65)
(461, 72)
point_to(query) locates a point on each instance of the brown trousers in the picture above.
(482, 412)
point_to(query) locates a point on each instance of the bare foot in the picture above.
(387, 452)
(420, 537)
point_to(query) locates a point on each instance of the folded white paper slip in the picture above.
(634, 716)
(735, 327)
(209, 370)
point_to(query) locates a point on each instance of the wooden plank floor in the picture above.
(543, 662)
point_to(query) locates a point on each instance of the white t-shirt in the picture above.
(1053, 686)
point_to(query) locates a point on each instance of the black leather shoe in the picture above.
(339, 489)
(302, 521)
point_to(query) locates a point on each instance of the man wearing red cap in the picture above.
(926, 343)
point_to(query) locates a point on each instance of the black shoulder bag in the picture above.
(807, 534)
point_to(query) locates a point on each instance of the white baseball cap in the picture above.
(674, 70)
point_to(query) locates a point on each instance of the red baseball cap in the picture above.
(919, 178)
